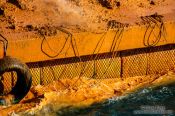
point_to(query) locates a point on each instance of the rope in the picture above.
(118, 37)
(66, 40)
(153, 21)
(5, 44)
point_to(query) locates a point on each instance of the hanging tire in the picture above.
(24, 78)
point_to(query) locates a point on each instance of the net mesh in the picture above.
(129, 63)
(114, 64)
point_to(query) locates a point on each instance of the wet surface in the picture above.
(98, 97)
(33, 18)
(157, 101)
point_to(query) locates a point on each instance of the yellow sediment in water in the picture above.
(82, 92)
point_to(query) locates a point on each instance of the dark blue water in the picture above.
(159, 101)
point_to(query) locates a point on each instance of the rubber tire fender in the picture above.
(24, 77)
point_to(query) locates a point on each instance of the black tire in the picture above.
(24, 77)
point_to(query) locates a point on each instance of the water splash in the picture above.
(157, 98)
(66, 12)
(126, 105)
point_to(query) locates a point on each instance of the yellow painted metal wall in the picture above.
(84, 43)
(126, 60)
(130, 63)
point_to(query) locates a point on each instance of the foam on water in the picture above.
(159, 97)
(153, 98)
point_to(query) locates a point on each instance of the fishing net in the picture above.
(151, 59)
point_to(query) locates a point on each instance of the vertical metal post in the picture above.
(41, 74)
(121, 64)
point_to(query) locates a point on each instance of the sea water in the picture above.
(157, 101)
(151, 101)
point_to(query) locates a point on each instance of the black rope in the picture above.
(117, 38)
(5, 44)
(62, 48)
(95, 51)
(153, 21)
(53, 73)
